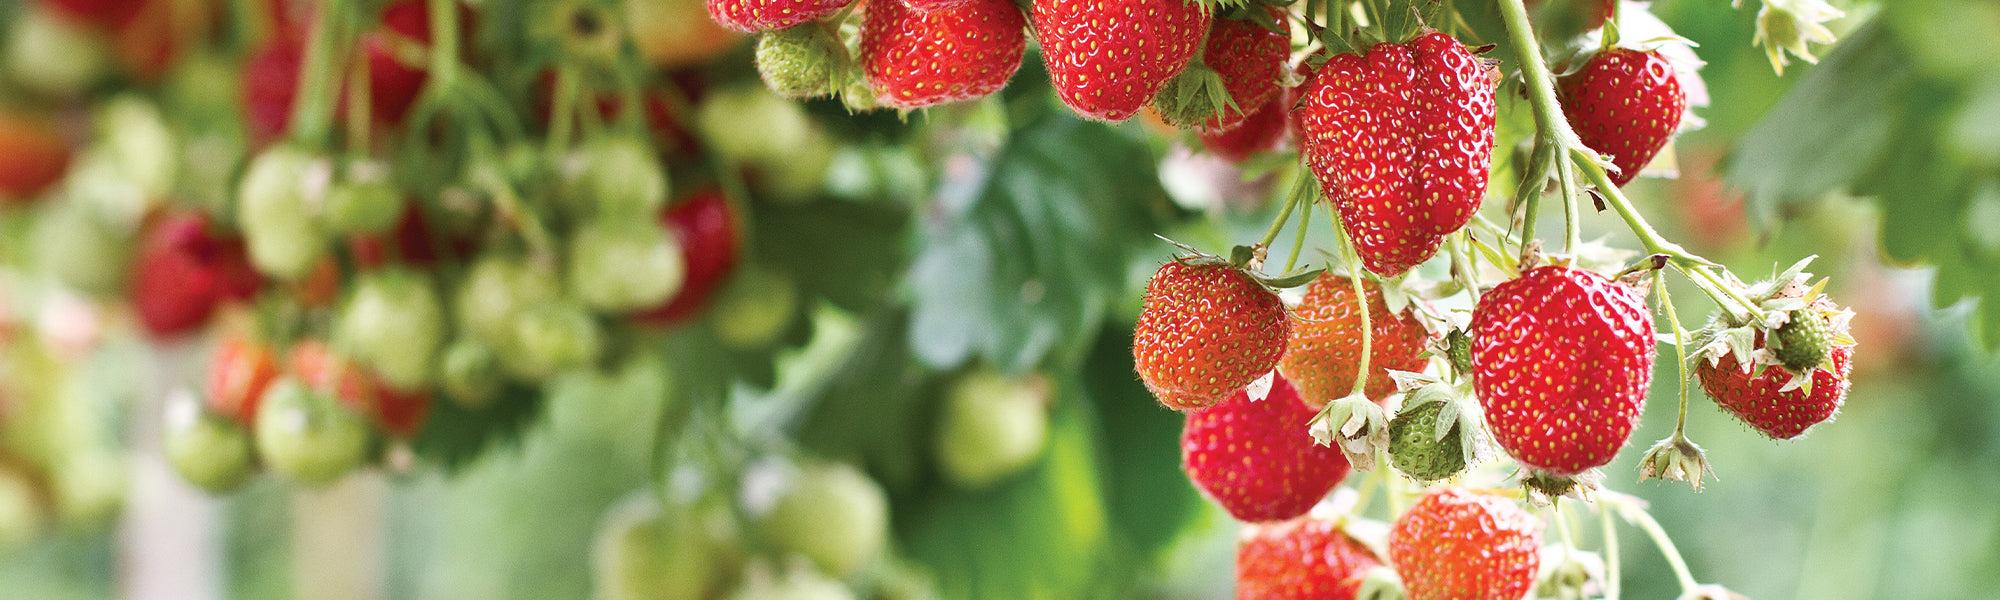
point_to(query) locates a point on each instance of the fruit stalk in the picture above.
(312, 113)
(1637, 515)
(1551, 128)
(1354, 275)
(1613, 585)
(1285, 215)
(1299, 240)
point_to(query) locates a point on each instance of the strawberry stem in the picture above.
(1680, 352)
(1637, 515)
(562, 110)
(1354, 275)
(1612, 584)
(1285, 214)
(312, 112)
(1298, 241)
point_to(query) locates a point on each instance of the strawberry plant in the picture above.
(836, 299)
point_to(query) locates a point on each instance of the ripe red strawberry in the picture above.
(1401, 141)
(915, 58)
(1761, 400)
(1460, 545)
(1250, 60)
(1325, 349)
(1307, 558)
(270, 84)
(184, 271)
(706, 231)
(102, 13)
(763, 15)
(931, 5)
(1263, 130)
(1561, 359)
(1206, 331)
(398, 412)
(237, 376)
(1626, 104)
(1108, 57)
(1257, 459)
(37, 156)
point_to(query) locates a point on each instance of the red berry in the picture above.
(1108, 57)
(1325, 350)
(931, 5)
(270, 84)
(1626, 104)
(102, 13)
(1561, 359)
(393, 85)
(1459, 545)
(37, 157)
(1761, 401)
(916, 58)
(398, 412)
(1307, 558)
(237, 376)
(1257, 459)
(1263, 130)
(1250, 59)
(1207, 330)
(409, 243)
(706, 231)
(1401, 141)
(764, 15)
(177, 280)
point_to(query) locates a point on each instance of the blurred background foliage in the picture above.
(932, 250)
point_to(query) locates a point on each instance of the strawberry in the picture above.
(1256, 459)
(1325, 348)
(706, 231)
(1401, 141)
(392, 83)
(396, 411)
(237, 376)
(1245, 58)
(1460, 545)
(1561, 359)
(37, 156)
(103, 13)
(270, 84)
(1307, 558)
(184, 271)
(931, 5)
(1625, 104)
(1107, 58)
(1263, 130)
(763, 15)
(1206, 331)
(806, 61)
(1798, 381)
(915, 58)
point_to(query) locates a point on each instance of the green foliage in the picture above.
(1896, 117)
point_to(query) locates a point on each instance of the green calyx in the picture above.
(1424, 445)
(1193, 97)
(807, 61)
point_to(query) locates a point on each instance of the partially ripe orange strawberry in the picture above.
(1626, 104)
(1325, 350)
(1460, 545)
(1401, 141)
(1207, 330)
(1256, 457)
(1561, 359)
(916, 58)
(1308, 558)
(1108, 57)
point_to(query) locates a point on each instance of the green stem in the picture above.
(1680, 353)
(1285, 214)
(1298, 241)
(358, 108)
(1696, 267)
(1354, 275)
(1612, 567)
(511, 209)
(1659, 535)
(444, 42)
(312, 112)
(562, 111)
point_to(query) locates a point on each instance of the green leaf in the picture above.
(1793, 155)
(1020, 265)
(454, 436)
(1149, 497)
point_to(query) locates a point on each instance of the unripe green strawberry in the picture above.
(496, 291)
(1401, 140)
(208, 450)
(1257, 458)
(365, 202)
(795, 581)
(1805, 342)
(470, 373)
(1207, 330)
(394, 324)
(306, 436)
(624, 265)
(1460, 545)
(274, 206)
(641, 553)
(615, 177)
(552, 338)
(806, 61)
(82, 251)
(51, 56)
(831, 513)
(1308, 558)
(1415, 448)
(993, 426)
(1562, 359)
(755, 308)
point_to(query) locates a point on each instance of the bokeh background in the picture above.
(954, 249)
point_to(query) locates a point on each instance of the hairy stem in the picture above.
(1354, 275)
(1285, 214)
